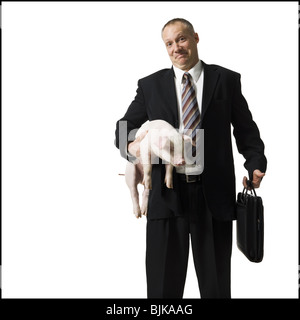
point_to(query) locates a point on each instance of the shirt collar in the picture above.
(195, 72)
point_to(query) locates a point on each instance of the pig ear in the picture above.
(188, 139)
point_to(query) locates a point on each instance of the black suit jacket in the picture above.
(223, 105)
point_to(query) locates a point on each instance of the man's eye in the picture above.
(182, 39)
(169, 44)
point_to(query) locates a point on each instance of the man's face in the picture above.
(181, 45)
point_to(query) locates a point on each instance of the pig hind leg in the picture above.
(133, 178)
(147, 182)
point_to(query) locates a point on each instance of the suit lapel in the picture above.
(211, 76)
(169, 92)
(168, 104)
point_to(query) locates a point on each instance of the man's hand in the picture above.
(257, 176)
(134, 146)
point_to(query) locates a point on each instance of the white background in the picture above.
(70, 71)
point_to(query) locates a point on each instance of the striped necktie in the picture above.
(190, 110)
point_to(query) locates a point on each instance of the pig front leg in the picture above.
(145, 197)
(134, 176)
(169, 176)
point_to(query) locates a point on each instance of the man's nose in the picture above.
(176, 47)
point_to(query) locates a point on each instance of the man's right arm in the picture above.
(127, 126)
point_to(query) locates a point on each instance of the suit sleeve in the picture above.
(127, 126)
(246, 133)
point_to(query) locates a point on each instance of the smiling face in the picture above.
(181, 45)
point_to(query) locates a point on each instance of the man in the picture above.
(201, 205)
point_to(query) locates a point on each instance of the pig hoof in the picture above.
(148, 186)
(169, 184)
(144, 211)
(137, 213)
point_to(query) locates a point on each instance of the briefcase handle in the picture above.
(249, 185)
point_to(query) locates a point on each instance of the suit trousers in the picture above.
(167, 249)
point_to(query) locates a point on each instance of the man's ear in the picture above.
(196, 37)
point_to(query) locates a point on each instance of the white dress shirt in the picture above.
(197, 75)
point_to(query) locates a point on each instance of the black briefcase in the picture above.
(250, 224)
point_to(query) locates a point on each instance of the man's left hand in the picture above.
(257, 176)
